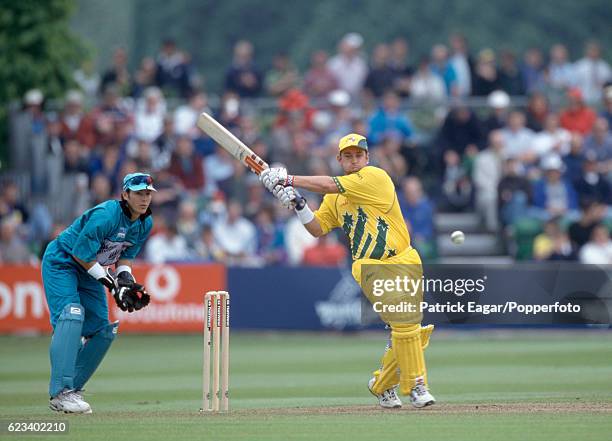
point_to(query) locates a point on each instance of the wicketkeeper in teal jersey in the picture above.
(75, 272)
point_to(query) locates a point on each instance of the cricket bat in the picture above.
(231, 144)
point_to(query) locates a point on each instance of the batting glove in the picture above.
(272, 177)
(289, 197)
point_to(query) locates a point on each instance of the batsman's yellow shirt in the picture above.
(367, 209)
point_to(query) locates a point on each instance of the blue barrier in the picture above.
(294, 298)
(309, 298)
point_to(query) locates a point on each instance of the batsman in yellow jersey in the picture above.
(364, 204)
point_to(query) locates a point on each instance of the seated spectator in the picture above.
(460, 130)
(11, 206)
(381, 75)
(456, 184)
(319, 81)
(443, 68)
(243, 77)
(107, 162)
(552, 138)
(206, 247)
(186, 115)
(270, 236)
(187, 223)
(591, 73)
(236, 236)
(255, 193)
(598, 250)
(295, 111)
(577, 117)
(486, 176)
(513, 192)
(607, 105)
(389, 120)
(297, 239)
(418, 211)
(462, 63)
(532, 70)
(402, 69)
(426, 86)
(537, 111)
(72, 117)
(145, 77)
(499, 103)
(348, 66)
(388, 157)
(599, 142)
(149, 115)
(165, 244)
(186, 164)
(118, 74)
(554, 195)
(169, 190)
(486, 77)
(27, 124)
(592, 213)
(553, 244)
(219, 169)
(574, 158)
(13, 249)
(165, 144)
(282, 77)
(249, 132)
(230, 111)
(518, 139)
(144, 156)
(100, 127)
(300, 155)
(75, 158)
(100, 190)
(592, 185)
(173, 70)
(510, 76)
(325, 252)
(560, 70)
(87, 79)
(52, 161)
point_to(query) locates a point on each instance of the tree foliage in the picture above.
(37, 49)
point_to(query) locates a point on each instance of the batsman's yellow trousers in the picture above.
(403, 361)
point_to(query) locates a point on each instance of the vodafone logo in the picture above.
(163, 283)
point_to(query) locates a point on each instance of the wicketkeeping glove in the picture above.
(129, 295)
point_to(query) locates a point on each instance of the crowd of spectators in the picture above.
(551, 164)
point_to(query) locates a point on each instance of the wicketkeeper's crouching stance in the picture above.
(74, 276)
(364, 204)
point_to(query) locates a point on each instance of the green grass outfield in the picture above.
(491, 385)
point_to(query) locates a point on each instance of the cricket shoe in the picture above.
(69, 401)
(420, 396)
(388, 399)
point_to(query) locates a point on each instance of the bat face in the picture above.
(230, 143)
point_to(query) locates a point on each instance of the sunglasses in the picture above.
(138, 180)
